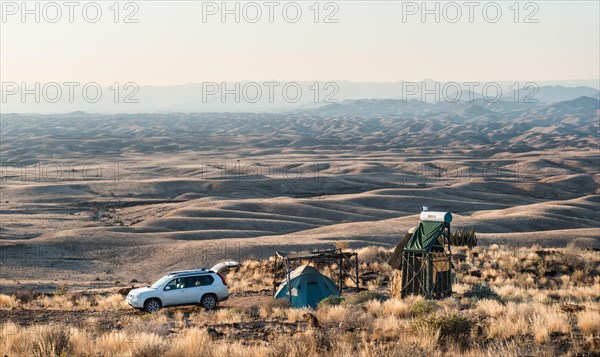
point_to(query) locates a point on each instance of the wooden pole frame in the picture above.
(329, 257)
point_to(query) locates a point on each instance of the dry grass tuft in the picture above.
(7, 301)
(491, 308)
(372, 254)
(589, 322)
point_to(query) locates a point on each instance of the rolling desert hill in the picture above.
(118, 197)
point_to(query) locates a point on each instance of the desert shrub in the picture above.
(423, 324)
(7, 301)
(230, 315)
(331, 300)
(93, 300)
(103, 325)
(369, 254)
(252, 311)
(50, 341)
(373, 255)
(452, 327)
(75, 298)
(23, 296)
(589, 322)
(303, 344)
(272, 304)
(150, 346)
(365, 296)
(464, 237)
(481, 291)
(424, 307)
(342, 244)
(61, 289)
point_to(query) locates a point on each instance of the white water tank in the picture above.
(430, 216)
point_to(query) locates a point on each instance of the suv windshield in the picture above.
(162, 281)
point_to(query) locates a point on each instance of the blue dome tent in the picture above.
(308, 287)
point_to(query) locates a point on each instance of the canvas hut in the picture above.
(424, 258)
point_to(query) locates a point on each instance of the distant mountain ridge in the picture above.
(190, 98)
(585, 107)
(555, 94)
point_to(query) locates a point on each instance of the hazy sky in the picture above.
(172, 44)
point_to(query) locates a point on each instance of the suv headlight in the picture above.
(138, 296)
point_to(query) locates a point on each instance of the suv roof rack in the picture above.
(185, 272)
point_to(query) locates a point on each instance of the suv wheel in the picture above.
(209, 301)
(152, 306)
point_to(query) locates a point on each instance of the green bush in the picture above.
(365, 296)
(331, 300)
(423, 308)
(481, 291)
(454, 326)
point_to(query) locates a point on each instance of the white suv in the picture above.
(186, 287)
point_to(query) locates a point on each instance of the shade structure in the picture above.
(307, 286)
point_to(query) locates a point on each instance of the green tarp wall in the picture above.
(424, 237)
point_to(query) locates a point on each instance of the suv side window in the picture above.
(178, 283)
(206, 280)
(192, 282)
(200, 280)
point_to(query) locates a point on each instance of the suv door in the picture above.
(194, 290)
(197, 286)
(174, 293)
